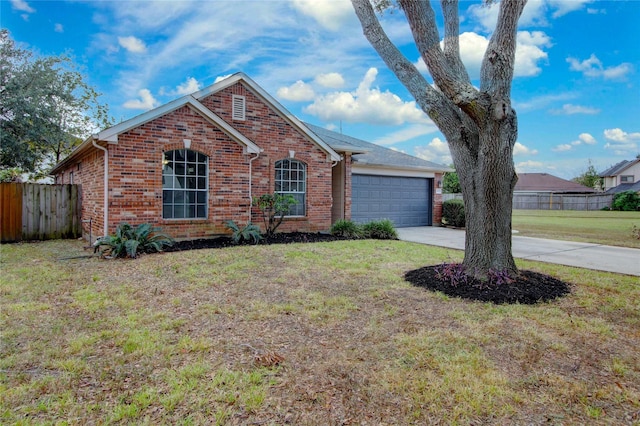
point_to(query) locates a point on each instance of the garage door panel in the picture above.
(406, 201)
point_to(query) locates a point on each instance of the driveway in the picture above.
(583, 255)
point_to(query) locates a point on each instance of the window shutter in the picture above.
(238, 107)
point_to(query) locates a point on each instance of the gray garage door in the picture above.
(406, 201)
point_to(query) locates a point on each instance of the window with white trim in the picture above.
(238, 106)
(626, 179)
(291, 179)
(185, 184)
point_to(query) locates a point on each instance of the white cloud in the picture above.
(587, 139)
(520, 149)
(330, 14)
(562, 148)
(621, 142)
(562, 7)
(222, 77)
(406, 134)
(529, 166)
(542, 101)
(570, 109)
(22, 6)
(58, 28)
(132, 44)
(437, 151)
(366, 105)
(188, 87)
(146, 101)
(593, 67)
(619, 135)
(529, 53)
(297, 92)
(332, 80)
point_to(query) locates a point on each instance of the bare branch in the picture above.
(434, 103)
(452, 38)
(499, 59)
(455, 86)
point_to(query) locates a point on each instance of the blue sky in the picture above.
(576, 88)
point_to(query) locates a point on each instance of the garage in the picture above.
(404, 200)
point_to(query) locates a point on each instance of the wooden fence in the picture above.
(549, 201)
(30, 211)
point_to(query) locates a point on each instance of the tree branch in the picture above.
(437, 106)
(452, 38)
(499, 59)
(456, 86)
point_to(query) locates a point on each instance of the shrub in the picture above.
(380, 229)
(626, 201)
(274, 207)
(347, 229)
(129, 241)
(250, 233)
(453, 213)
(453, 273)
(10, 175)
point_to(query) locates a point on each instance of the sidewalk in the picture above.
(583, 255)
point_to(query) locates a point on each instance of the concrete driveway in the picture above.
(583, 255)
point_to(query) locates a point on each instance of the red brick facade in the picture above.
(235, 172)
(135, 170)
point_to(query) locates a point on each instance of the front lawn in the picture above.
(600, 227)
(323, 333)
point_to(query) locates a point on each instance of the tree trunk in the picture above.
(487, 178)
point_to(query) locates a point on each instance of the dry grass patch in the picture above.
(324, 333)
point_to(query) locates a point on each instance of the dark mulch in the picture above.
(278, 238)
(527, 288)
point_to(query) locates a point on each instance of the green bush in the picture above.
(626, 201)
(346, 229)
(274, 208)
(380, 229)
(10, 175)
(250, 233)
(129, 241)
(453, 213)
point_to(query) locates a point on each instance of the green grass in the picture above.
(599, 227)
(187, 338)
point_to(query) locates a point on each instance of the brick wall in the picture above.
(135, 170)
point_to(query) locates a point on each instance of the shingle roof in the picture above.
(543, 182)
(624, 187)
(367, 153)
(617, 168)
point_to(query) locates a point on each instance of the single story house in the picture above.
(622, 176)
(192, 164)
(538, 183)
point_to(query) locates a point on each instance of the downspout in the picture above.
(250, 184)
(106, 187)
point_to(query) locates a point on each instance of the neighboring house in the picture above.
(192, 164)
(622, 177)
(545, 183)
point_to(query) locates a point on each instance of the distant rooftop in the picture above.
(543, 182)
(619, 167)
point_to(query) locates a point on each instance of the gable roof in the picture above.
(273, 103)
(110, 135)
(543, 182)
(367, 153)
(618, 168)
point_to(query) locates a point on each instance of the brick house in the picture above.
(193, 163)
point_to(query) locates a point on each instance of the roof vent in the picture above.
(238, 107)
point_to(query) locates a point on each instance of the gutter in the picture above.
(106, 187)
(250, 184)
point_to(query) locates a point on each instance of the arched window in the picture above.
(185, 184)
(291, 178)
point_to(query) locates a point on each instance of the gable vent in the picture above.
(238, 107)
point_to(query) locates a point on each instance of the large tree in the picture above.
(46, 108)
(479, 123)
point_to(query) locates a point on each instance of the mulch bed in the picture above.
(278, 238)
(527, 288)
